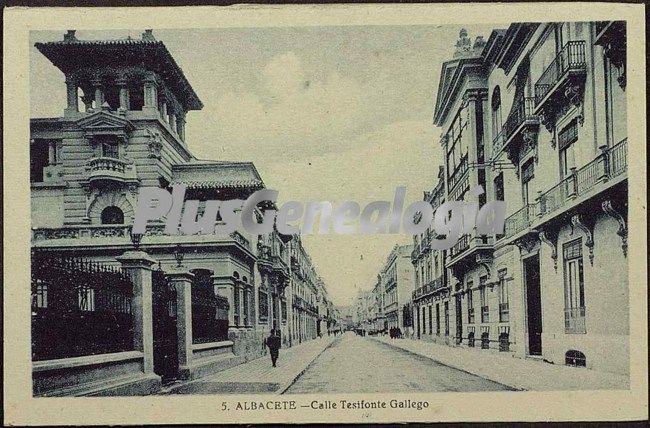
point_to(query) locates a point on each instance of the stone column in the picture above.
(99, 97)
(73, 100)
(163, 112)
(181, 279)
(180, 126)
(150, 95)
(172, 121)
(124, 94)
(137, 264)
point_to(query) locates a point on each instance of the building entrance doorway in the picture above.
(533, 305)
(459, 320)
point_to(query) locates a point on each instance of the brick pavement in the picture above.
(519, 373)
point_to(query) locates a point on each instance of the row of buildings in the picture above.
(385, 306)
(186, 305)
(536, 115)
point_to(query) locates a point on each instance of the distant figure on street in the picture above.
(274, 344)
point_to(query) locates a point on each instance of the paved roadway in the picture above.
(357, 364)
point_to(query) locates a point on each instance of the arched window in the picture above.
(245, 279)
(496, 112)
(112, 215)
(235, 274)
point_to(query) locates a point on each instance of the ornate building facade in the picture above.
(86, 169)
(536, 116)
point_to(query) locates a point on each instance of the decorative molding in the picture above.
(551, 241)
(527, 242)
(576, 220)
(622, 224)
(155, 144)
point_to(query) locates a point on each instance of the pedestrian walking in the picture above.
(274, 344)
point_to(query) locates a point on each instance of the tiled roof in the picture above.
(220, 184)
(68, 54)
(217, 175)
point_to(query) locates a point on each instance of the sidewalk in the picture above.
(258, 376)
(519, 373)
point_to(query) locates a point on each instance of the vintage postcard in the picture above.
(345, 213)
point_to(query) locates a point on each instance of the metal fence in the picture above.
(209, 310)
(79, 307)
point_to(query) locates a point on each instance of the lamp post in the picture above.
(136, 238)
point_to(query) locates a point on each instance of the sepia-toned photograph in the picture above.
(329, 211)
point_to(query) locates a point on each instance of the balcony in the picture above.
(430, 287)
(518, 128)
(574, 321)
(569, 62)
(469, 250)
(110, 169)
(592, 178)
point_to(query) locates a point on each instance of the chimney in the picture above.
(69, 37)
(147, 36)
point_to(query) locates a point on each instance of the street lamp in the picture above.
(135, 238)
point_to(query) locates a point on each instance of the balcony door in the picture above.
(533, 305)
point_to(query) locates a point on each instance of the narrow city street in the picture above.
(362, 364)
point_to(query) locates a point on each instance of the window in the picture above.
(527, 174)
(264, 306)
(504, 309)
(438, 319)
(246, 308)
(574, 293)
(424, 320)
(112, 215)
(42, 153)
(110, 149)
(485, 309)
(430, 320)
(499, 193)
(566, 139)
(496, 112)
(457, 146)
(470, 304)
(446, 318)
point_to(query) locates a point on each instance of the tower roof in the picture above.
(72, 54)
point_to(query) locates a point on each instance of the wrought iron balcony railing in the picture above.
(429, 287)
(610, 163)
(520, 117)
(571, 58)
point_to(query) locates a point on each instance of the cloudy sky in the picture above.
(326, 113)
